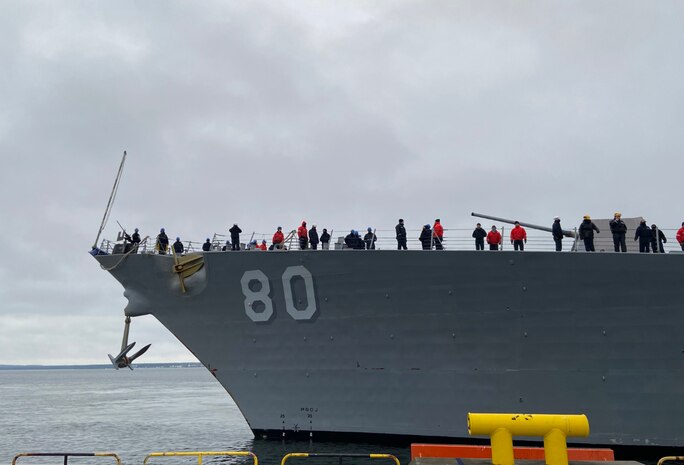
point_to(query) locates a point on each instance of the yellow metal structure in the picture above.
(671, 458)
(186, 265)
(66, 455)
(371, 456)
(200, 454)
(501, 427)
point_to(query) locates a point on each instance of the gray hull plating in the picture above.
(407, 343)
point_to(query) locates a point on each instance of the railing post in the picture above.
(502, 447)
(555, 447)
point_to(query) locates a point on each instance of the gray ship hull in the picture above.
(406, 343)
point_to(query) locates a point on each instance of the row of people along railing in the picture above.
(454, 239)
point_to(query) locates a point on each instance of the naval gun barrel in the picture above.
(566, 233)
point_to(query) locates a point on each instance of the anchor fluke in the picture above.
(122, 360)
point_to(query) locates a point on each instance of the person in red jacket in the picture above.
(262, 246)
(494, 239)
(438, 234)
(278, 238)
(518, 237)
(680, 236)
(303, 235)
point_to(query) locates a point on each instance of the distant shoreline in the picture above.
(99, 366)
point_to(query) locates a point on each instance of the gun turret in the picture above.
(566, 233)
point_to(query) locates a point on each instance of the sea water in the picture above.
(133, 413)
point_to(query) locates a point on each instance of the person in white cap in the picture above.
(557, 232)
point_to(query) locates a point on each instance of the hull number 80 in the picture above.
(262, 295)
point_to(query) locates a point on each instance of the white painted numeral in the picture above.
(262, 295)
(310, 310)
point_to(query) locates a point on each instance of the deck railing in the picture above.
(454, 239)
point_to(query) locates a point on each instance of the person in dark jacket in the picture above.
(206, 247)
(643, 234)
(401, 235)
(657, 240)
(235, 236)
(162, 242)
(586, 233)
(226, 247)
(135, 240)
(479, 234)
(369, 239)
(350, 240)
(619, 230)
(313, 238)
(359, 243)
(557, 233)
(178, 246)
(325, 240)
(426, 237)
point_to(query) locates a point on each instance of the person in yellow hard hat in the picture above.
(586, 233)
(619, 230)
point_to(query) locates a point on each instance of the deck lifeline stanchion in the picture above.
(341, 456)
(501, 427)
(200, 454)
(66, 455)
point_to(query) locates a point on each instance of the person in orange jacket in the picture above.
(438, 234)
(262, 246)
(518, 237)
(680, 236)
(493, 238)
(303, 235)
(278, 238)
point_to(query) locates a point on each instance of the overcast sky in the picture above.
(345, 113)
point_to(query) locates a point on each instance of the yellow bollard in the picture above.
(553, 428)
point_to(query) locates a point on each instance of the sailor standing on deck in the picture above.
(644, 234)
(557, 233)
(278, 238)
(518, 237)
(619, 230)
(206, 247)
(325, 240)
(235, 236)
(426, 237)
(178, 246)
(350, 240)
(479, 234)
(657, 240)
(369, 239)
(680, 236)
(493, 238)
(401, 235)
(162, 242)
(438, 234)
(313, 237)
(135, 240)
(586, 233)
(303, 236)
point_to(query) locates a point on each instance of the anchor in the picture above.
(123, 360)
(186, 265)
